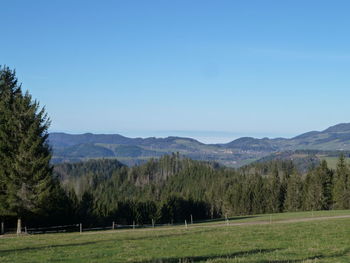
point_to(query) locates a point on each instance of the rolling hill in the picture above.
(131, 151)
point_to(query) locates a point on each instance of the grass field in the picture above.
(333, 161)
(257, 240)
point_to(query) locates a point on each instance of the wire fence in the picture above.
(113, 226)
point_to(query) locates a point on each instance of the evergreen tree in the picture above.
(312, 192)
(259, 200)
(294, 194)
(325, 177)
(275, 203)
(318, 188)
(235, 199)
(9, 93)
(25, 168)
(85, 209)
(342, 185)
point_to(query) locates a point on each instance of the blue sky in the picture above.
(212, 70)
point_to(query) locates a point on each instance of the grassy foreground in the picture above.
(325, 240)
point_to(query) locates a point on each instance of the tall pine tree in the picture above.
(275, 203)
(325, 176)
(341, 190)
(25, 170)
(294, 194)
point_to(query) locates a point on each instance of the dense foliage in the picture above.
(173, 188)
(27, 188)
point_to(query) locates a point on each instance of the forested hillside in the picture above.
(131, 151)
(174, 187)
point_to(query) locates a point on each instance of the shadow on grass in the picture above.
(292, 260)
(49, 246)
(242, 254)
(115, 239)
(158, 235)
(211, 257)
(308, 258)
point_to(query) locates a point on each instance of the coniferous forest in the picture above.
(166, 190)
(173, 188)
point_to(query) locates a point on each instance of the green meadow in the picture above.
(288, 237)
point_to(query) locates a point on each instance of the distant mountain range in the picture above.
(131, 151)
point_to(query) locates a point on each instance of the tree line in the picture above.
(174, 188)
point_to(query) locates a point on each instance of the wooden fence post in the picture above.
(113, 225)
(2, 228)
(191, 219)
(185, 223)
(152, 222)
(81, 228)
(19, 226)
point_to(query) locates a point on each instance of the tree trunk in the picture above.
(19, 226)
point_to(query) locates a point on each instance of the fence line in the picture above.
(112, 226)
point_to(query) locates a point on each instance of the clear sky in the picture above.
(212, 70)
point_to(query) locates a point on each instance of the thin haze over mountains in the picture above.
(72, 148)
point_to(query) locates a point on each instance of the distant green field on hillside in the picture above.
(320, 240)
(332, 161)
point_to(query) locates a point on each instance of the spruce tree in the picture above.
(259, 200)
(342, 185)
(275, 203)
(325, 176)
(25, 170)
(312, 192)
(10, 91)
(294, 194)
